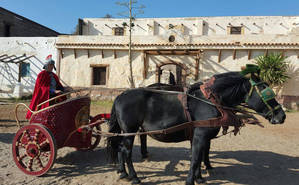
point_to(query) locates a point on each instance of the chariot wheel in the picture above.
(34, 149)
(95, 138)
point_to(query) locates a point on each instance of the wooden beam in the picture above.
(75, 53)
(249, 54)
(197, 66)
(234, 54)
(20, 71)
(61, 53)
(114, 53)
(283, 53)
(219, 55)
(172, 52)
(144, 65)
(266, 53)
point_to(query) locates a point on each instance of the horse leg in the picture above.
(121, 160)
(143, 146)
(197, 153)
(128, 143)
(206, 158)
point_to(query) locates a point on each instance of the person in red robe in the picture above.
(47, 86)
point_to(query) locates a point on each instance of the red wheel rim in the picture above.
(34, 149)
(94, 140)
(96, 137)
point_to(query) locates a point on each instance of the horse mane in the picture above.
(227, 87)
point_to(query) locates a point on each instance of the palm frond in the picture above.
(274, 68)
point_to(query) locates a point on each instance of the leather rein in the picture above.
(189, 126)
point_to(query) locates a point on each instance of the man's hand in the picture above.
(58, 92)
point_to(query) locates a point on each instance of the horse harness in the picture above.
(228, 115)
(227, 118)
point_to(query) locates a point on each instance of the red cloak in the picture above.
(41, 91)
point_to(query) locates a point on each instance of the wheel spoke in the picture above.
(37, 132)
(20, 144)
(40, 164)
(46, 154)
(44, 143)
(21, 157)
(27, 135)
(30, 164)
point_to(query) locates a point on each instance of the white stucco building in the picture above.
(31, 51)
(192, 49)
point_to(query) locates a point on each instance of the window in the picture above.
(99, 75)
(25, 69)
(118, 31)
(235, 30)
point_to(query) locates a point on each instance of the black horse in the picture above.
(143, 108)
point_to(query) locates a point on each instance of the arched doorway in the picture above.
(171, 73)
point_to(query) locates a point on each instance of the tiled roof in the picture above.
(176, 44)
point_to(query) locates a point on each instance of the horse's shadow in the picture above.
(249, 167)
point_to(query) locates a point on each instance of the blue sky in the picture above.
(62, 15)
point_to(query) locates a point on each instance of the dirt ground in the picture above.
(257, 156)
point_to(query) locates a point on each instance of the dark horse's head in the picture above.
(234, 88)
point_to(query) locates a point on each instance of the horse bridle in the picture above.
(266, 95)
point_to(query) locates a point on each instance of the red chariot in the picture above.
(35, 145)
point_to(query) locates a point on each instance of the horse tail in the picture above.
(114, 141)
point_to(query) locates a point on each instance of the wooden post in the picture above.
(61, 53)
(234, 54)
(102, 53)
(197, 66)
(219, 55)
(20, 71)
(144, 65)
(88, 54)
(249, 54)
(266, 53)
(283, 53)
(75, 54)
(114, 53)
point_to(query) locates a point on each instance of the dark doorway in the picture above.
(173, 74)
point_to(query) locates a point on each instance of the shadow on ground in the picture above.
(240, 167)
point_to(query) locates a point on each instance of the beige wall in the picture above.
(77, 72)
(272, 33)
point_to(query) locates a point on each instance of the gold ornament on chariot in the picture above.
(82, 117)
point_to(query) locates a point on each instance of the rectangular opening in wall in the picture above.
(99, 75)
(236, 30)
(25, 69)
(118, 30)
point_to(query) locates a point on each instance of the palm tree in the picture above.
(273, 69)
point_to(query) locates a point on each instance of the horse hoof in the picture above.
(145, 155)
(211, 171)
(124, 176)
(209, 167)
(136, 181)
(188, 183)
(200, 181)
(145, 158)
